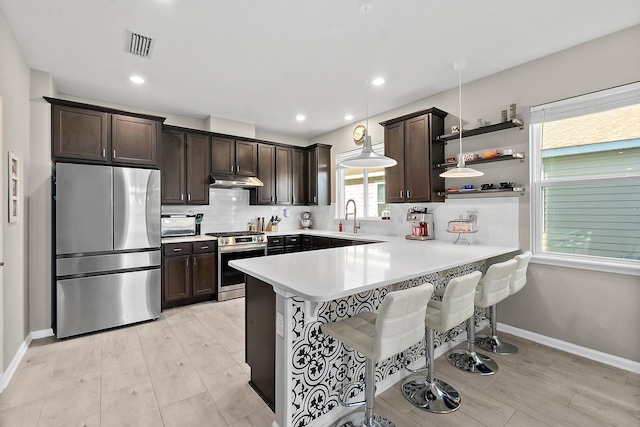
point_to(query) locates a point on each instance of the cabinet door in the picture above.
(176, 278)
(312, 174)
(223, 155)
(266, 174)
(173, 172)
(246, 158)
(394, 176)
(197, 169)
(417, 160)
(204, 273)
(133, 140)
(324, 175)
(298, 177)
(79, 134)
(283, 175)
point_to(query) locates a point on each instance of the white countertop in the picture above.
(328, 274)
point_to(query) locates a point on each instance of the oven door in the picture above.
(230, 280)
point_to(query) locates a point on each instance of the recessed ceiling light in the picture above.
(300, 117)
(348, 117)
(377, 81)
(137, 79)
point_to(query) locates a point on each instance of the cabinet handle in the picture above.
(204, 247)
(177, 250)
(401, 194)
(114, 154)
(195, 261)
(181, 196)
(315, 199)
(408, 194)
(271, 198)
(189, 197)
(104, 152)
(231, 168)
(187, 262)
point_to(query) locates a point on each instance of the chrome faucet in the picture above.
(346, 215)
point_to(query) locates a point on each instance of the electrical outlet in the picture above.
(280, 324)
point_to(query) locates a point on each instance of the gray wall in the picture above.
(594, 310)
(14, 88)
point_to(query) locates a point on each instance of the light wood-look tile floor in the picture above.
(188, 369)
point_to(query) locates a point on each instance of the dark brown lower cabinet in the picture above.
(189, 273)
(260, 338)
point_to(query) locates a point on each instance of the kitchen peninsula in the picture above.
(289, 296)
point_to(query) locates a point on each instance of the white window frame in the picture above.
(581, 105)
(340, 196)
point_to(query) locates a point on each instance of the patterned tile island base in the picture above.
(312, 367)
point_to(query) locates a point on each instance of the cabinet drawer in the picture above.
(203, 247)
(171, 249)
(276, 241)
(292, 240)
(307, 240)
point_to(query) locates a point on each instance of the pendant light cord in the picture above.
(460, 159)
(366, 66)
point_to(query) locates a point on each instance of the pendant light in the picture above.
(460, 171)
(367, 158)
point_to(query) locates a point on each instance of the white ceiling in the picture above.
(265, 61)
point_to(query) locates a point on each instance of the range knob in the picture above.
(222, 241)
(254, 239)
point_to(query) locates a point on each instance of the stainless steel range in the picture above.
(231, 246)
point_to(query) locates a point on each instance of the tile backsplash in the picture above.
(229, 210)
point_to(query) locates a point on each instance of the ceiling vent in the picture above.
(140, 45)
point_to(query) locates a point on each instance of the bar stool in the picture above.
(398, 325)
(426, 391)
(492, 343)
(493, 288)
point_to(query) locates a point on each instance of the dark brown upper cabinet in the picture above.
(266, 195)
(284, 175)
(411, 141)
(91, 134)
(319, 174)
(185, 169)
(233, 157)
(133, 140)
(299, 176)
(79, 134)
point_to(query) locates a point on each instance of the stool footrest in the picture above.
(410, 359)
(474, 363)
(342, 400)
(496, 345)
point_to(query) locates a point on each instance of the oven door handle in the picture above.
(231, 249)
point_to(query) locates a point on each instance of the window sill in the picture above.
(625, 267)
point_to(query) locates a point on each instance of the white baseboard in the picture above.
(598, 356)
(5, 377)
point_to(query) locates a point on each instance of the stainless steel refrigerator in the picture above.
(108, 256)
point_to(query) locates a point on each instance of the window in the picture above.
(586, 178)
(364, 186)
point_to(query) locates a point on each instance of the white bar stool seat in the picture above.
(426, 391)
(493, 288)
(398, 325)
(492, 343)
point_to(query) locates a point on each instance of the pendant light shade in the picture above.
(460, 171)
(368, 158)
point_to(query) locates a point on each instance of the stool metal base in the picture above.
(474, 363)
(437, 397)
(356, 419)
(496, 346)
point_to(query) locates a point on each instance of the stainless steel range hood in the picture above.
(234, 181)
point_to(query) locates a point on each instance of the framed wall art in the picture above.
(14, 187)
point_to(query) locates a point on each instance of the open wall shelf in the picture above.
(514, 156)
(481, 130)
